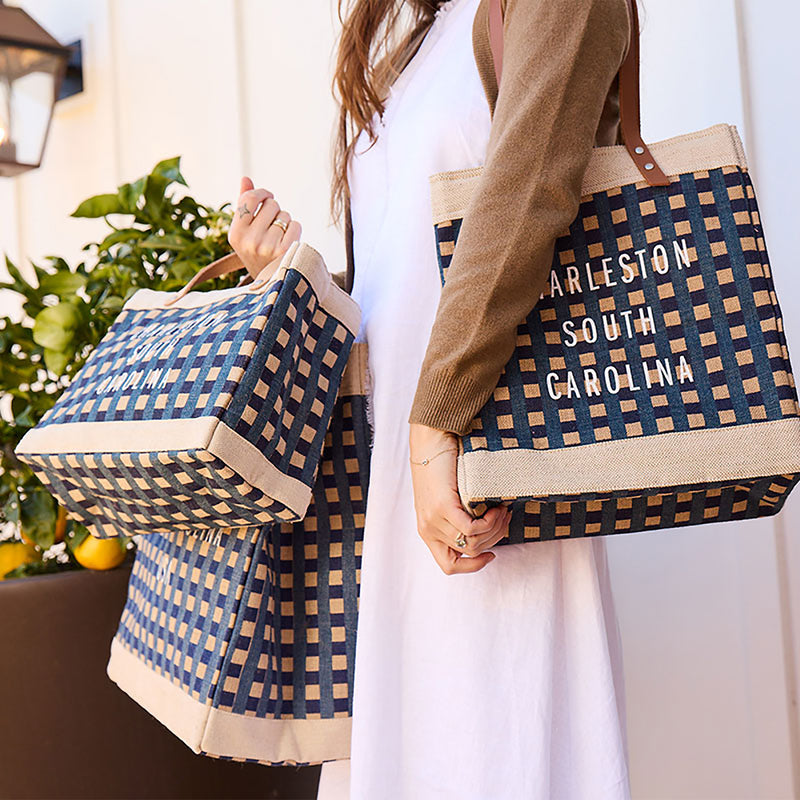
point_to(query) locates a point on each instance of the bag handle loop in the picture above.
(629, 100)
(222, 266)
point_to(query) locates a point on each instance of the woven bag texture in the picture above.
(660, 317)
(255, 627)
(199, 417)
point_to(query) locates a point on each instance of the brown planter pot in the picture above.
(66, 731)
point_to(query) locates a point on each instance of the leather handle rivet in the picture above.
(649, 165)
(638, 150)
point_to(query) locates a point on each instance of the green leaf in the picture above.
(54, 326)
(15, 371)
(184, 270)
(37, 516)
(11, 507)
(170, 241)
(19, 281)
(23, 417)
(100, 205)
(57, 360)
(78, 533)
(154, 189)
(45, 567)
(122, 235)
(170, 168)
(129, 194)
(62, 283)
(112, 304)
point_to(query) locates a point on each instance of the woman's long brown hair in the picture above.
(375, 34)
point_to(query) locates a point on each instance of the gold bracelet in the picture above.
(428, 460)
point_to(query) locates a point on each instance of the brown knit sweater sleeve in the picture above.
(560, 59)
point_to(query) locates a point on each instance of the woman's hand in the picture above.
(253, 234)
(441, 519)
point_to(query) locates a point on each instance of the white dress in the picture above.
(505, 684)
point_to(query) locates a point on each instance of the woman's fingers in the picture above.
(247, 205)
(469, 525)
(245, 184)
(490, 541)
(263, 218)
(254, 233)
(475, 543)
(453, 563)
(293, 233)
(479, 543)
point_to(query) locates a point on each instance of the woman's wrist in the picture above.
(426, 442)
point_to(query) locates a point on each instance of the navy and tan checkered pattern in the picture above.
(307, 627)
(632, 511)
(731, 336)
(262, 368)
(153, 492)
(183, 599)
(259, 625)
(659, 316)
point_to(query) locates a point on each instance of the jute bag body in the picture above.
(651, 385)
(201, 410)
(242, 641)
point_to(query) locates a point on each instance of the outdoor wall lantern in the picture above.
(32, 66)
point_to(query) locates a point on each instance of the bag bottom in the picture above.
(219, 733)
(603, 514)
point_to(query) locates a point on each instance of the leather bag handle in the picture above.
(222, 266)
(629, 100)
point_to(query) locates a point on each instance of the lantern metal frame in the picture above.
(18, 29)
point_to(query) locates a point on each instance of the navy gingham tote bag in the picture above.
(241, 641)
(651, 385)
(200, 410)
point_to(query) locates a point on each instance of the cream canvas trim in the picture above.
(300, 740)
(167, 702)
(151, 298)
(221, 733)
(355, 379)
(205, 433)
(337, 302)
(299, 256)
(250, 463)
(739, 452)
(609, 167)
(122, 436)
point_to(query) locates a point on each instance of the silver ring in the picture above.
(281, 224)
(462, 540)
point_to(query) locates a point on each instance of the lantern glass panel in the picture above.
(27, 87)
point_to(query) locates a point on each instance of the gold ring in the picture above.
(462, 540)
(281, 224)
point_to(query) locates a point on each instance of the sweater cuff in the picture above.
(447, 402)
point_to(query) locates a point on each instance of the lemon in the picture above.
(13, 554)
(94, 553)
(61, 524)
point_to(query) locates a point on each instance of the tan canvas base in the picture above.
(221, 733)
(735, 453)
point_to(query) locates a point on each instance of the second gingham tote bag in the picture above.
(242, 641)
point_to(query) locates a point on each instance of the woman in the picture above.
(479, 674)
